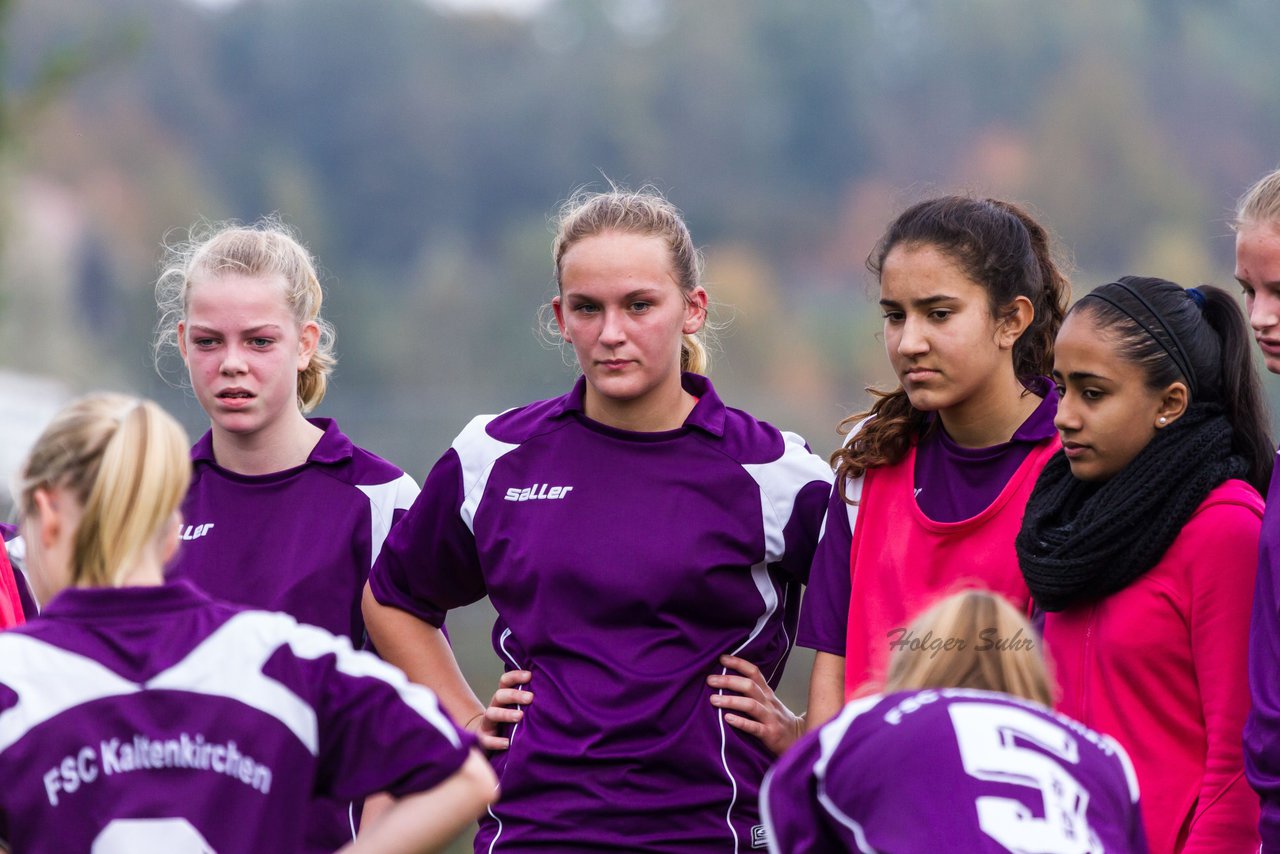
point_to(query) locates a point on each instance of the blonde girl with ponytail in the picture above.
(141, 713)
(284, 512)
(635, 536)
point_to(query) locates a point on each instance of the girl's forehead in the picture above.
(238, 292)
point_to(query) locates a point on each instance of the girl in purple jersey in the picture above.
(140, 715)
(1257, 226)
(1140, 542)
(931, 482)
(633, 535)
(959, 753)
(284, 512)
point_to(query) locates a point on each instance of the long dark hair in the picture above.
(1000, 247)
(1207, 331)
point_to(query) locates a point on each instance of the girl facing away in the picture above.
(932, 481)
(1140, 542)
(634, 536)
(285, 512)
(140, 715)
(959, 752)
(1257, 226)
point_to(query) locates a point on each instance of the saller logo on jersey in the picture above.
(537, 491)
(194, 532)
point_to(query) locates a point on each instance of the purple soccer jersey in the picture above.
(299, 541)
(1262, 729)
(621, 565)
(952, 770)
(952, 483)
(157, 719)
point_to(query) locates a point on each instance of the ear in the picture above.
(695, 311)
(47, 523)
(308, 340)
(1017, 317)
(182, 339)
(1173, 403)
(558, 308)
(169, 538)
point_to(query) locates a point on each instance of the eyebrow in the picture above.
(923, 302)
(1082, 375)
(630, 295)
(251, 331)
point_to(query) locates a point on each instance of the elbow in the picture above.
(480, 780)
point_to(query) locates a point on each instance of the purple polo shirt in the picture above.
(157, 719)
(971, 771)
(621, 565)
(1262, 729)
(299, 541)
(952, 484)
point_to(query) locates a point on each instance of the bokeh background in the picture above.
(421, 149)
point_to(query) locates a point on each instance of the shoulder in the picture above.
(750, 441)
(496, 434)
(1232, 507)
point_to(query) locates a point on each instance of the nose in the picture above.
(233, 361)
(913, 341)
(1066, 420)
(1264, 311)
(612, 328)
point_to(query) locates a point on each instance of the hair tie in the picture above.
(1197, 297)
(1172, 346)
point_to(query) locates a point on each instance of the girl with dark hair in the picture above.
(931, 483)
(1140, 542)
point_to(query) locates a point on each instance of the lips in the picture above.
(1074, 450)
(235, 397)
(916, 375)
(1270, 346)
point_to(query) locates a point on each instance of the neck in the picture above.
(660, 410)
(992, 415)
(145, 573)
(284, 446)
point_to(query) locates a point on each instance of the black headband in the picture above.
(1176, 351)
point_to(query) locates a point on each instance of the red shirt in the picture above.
(1161, 667)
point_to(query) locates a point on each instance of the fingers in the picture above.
(511, 697)
(748, 707)
(493, 742)
(746, 668)
(746, 725)
(512, 678)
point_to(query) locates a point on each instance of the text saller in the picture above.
(537, 491)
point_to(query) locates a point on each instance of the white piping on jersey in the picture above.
(502, 644)
(249, 638)
(852, 488)
(780, 482)
(764, 583)
(384, 500)
(786, 638)
(477, 452)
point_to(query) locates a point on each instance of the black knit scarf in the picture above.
(1082, 541)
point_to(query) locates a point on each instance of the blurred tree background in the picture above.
(421, 149)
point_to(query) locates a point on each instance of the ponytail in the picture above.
(125, 462)
(1242, 396)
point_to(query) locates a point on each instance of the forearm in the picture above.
(423, 653)
(826, 689)
(427, 821)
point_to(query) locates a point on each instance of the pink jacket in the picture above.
(1161, 666)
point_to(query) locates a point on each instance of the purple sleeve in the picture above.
(824, 614)
(800, 534)
(377, 731)
(8, 532)
(789, 803)
(1262, 728)
(429, 563)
